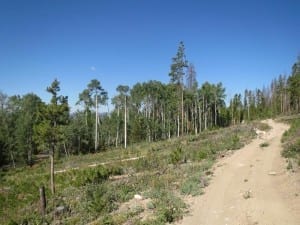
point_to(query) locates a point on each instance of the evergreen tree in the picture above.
(179, 63)
(294, 86)
(49, 133)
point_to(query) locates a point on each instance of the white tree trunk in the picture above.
(205, 116)
(178, 126)
(117, 136)
(182, 113)
(52, 184)
(12, 159)
(169, 129)
(96, 125)
(248, 107)
(195, 122)
(125, 125)
(215, 110)
(200, 119)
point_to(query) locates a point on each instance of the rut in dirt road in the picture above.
(250, 187)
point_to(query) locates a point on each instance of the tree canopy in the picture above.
(146, 112)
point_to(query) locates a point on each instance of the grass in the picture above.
(193, 185)
(264, 145)
(291, 141)
(166, 172)
(261, 126)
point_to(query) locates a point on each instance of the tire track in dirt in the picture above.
(250, 187)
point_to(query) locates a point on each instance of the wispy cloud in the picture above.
(92, 68)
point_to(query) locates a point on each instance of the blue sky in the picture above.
(243, 44)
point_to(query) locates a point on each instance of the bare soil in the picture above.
(250, 187)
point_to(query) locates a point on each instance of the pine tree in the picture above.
(294, 84)
(179, 63)
(49, 132)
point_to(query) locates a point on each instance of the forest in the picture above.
(146, 112)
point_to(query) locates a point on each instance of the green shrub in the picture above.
(150, 222)
(108, 220)
(176, 156)
(233, 142)
(291, 143)
(292, 150)
(195, 183)
(191, 187)
(125, 192)
(82, 177)
(264, 145)
(12, 222)
(293, 133)
(289, 165)
(202, 154)
(100, 199)
(169, 207)
(152, 161)
(150, 205)
(136, 211)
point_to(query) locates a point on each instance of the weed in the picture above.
(150, 205)
(100, 199)
(289, 165)
(264, 145)
(202, 155)
(169, 207)
(193, 185)
(87, 176)
(150, 162)
(292, 150)
(108, 220)
(235, 143)
(176, 156)
(137, 210)
(291, 141)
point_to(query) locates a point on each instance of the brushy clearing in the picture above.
(162, 173)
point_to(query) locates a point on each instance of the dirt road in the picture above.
(250, 187)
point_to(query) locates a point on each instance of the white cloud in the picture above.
(92, 68)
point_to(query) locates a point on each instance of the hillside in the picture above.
(95, 186)
(158, 183)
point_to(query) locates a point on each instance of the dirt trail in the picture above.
(250, 187)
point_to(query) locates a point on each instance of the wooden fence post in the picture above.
(42, 201)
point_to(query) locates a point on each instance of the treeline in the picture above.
(148, 111)
(281, 97)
